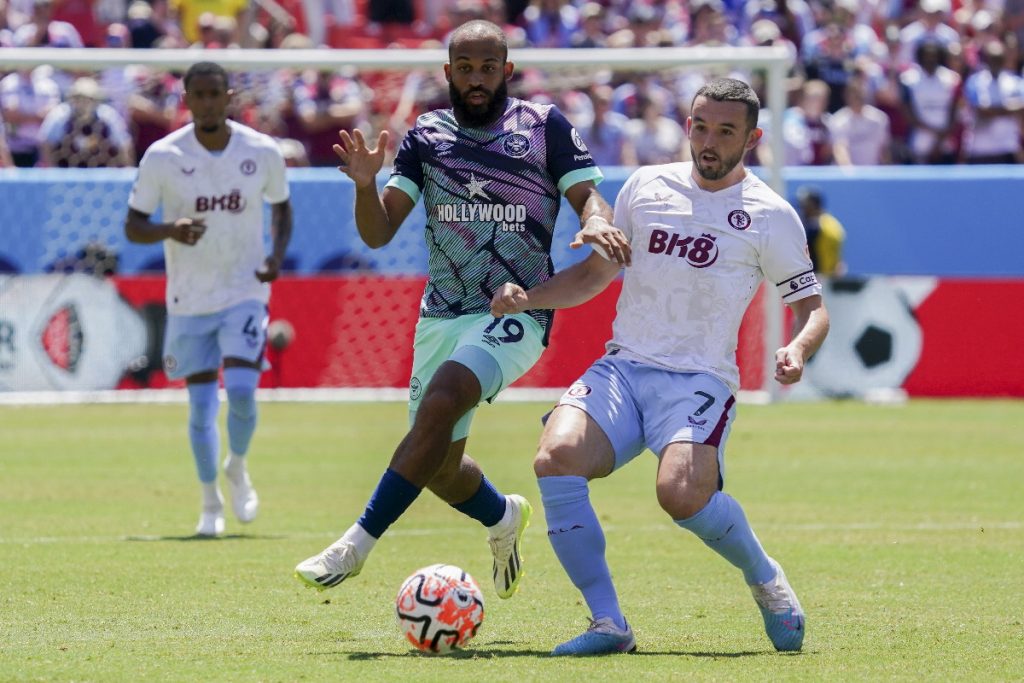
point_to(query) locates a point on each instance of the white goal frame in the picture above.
(775, 61)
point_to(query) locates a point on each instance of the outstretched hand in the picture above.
(359, 162)
(611, 242)
(510, 298)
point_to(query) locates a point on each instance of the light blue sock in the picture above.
(578, 541)
(723, 527)
(203, 404)
(240, 385)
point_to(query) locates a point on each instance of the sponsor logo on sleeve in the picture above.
(578, 141)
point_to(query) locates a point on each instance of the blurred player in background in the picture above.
(491, 171)
(703, 235)
(211, 178)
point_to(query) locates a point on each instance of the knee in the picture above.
(242, 402)
(441, 405)
(557, 460)
(682, 500)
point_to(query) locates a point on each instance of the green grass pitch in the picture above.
(901, 528)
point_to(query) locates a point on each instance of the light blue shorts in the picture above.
(642, 406)
(498, 351)
(198, 343)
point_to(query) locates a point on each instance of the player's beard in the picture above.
(725, 165)
(476, 116)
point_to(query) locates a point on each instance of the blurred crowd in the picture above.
(873, 82)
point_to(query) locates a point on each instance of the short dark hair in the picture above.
(206, 69)
(732, 90)
(479, 28)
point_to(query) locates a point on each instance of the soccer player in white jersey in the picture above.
(211, 179)
(491, 172)
(703, 235)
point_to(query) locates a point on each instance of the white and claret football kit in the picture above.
(217, 274)
(698, 259)
(491, 196)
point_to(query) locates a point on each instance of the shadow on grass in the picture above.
(205, 539)
(491, 653)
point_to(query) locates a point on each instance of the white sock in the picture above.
(506, 518)
(363, 541)
(212, 500)
(234, 467)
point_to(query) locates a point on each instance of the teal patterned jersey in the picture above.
(491, 195)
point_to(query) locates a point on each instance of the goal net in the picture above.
(342, 314)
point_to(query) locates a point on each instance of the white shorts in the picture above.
(643, 406)
(198, 343)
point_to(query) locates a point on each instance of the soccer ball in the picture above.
(439, 608)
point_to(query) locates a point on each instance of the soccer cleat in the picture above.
(783, 616)
(336, 563)
(505, 541)
(211, 523)
(244, 500)
(602, 638)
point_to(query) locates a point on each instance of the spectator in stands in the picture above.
(45, 31)
(6, 34)
(825, 234)
(829, 57)
(794, 18)
(189, 11)
(85, 132)
(605, 131)
(550, 23)
(860, 131)
(26, 97)
(152, 106)
(709, 25)
(806, 125)
(82, 15)
(1013, 21)
(994, 99)
(327, 102)
(319, 14)
(6, 160)
(294, 153)
(931, 96)
(142, 24)
(930, 27)
(654, 137)
(591, 32)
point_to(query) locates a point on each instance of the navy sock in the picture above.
(723, 527)
(392, 497)
(487, 506)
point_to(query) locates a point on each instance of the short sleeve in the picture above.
(786, 261)
(569, 160)
(407, 174)
(276, 188)
(146, 195)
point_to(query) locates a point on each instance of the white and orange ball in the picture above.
(439, 608)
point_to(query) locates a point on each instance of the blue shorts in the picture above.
(198, 343)
(643, 406)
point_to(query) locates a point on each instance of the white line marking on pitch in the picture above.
(469, 528)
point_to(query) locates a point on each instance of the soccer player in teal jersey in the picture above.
(491, 172)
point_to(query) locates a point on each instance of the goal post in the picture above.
(764, 320)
